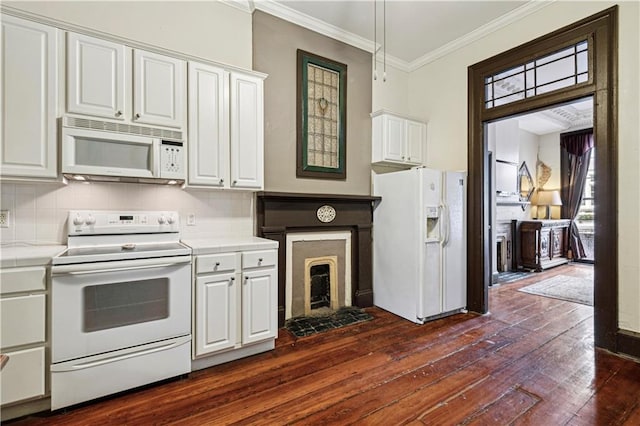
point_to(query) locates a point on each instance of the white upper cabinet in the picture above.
(397, 140)
(29, 99)
(226, 139)
(96, 77)
(158, 85)
(247, 131)
(208, 125)
(110, 80)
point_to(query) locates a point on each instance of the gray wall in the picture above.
(275, 43)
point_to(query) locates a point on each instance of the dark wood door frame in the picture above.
(602, 32)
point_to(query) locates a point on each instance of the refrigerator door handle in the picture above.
(446, 224)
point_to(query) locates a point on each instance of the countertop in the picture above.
(227, 244)
(28, 254)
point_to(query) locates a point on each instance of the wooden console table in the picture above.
(543, 243)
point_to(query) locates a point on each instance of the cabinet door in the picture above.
(259, 305)
(23, 375)
(215, 316)
(393, 139)
(247, 133)
(208, 125)
(545, 244)
(158, 89)
(29, 99)
(558, 242)
(96, 77)
(416, 135)
(23, 320)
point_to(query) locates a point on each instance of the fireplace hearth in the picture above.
(282, 216)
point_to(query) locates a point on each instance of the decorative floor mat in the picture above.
(565, 287)
(306, 326)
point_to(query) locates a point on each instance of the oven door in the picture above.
(105, 306)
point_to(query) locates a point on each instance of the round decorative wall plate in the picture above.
(326, 213)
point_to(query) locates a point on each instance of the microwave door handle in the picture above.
(156, 158)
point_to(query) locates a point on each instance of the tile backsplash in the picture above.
(38, 211)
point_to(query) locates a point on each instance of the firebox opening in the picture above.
(320, 287)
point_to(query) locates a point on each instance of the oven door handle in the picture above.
(119, 265)
(71, 366)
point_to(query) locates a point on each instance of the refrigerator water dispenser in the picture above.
(433, 217)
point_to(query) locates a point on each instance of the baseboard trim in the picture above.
(628, 343)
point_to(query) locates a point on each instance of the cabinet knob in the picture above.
(137, 115)
(235, 182)
(246, 280)
(408, 158)
(402, 157)
(217, 264)
(260, 260)
(118, 113)
(221, 181)
(233, 278)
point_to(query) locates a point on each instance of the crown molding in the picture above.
(501, 22)
(243, 5)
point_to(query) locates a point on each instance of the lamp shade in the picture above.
(549, 198)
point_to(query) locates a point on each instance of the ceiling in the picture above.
(420, 31)
(416, 31)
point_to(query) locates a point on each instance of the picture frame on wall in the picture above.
(321, 117)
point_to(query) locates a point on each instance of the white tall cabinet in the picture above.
(110, 80)
(226, 120)
(29, 99)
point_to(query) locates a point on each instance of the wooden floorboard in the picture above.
(530, 361)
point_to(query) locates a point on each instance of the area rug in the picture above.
(306, 326)
(565, 287)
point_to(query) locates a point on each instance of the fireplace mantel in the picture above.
(279, 213)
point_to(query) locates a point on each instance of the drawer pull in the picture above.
(260, 260)
(217, 264)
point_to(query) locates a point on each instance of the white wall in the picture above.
(549, 154)
(438, 91)
(393, 94)
(209, 29)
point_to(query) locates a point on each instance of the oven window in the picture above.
(115, 305)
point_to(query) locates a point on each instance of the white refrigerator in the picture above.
(419, 243)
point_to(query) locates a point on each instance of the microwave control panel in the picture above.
(172, 160)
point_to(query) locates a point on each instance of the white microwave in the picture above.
(105, 151)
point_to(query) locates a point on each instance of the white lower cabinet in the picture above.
(23, 334)
(235, 306)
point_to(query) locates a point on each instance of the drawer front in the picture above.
(216, 263)
(257, 259)
(23, 375)
(15, 280)
(23, 320)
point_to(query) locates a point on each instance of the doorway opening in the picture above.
(597, 30)
(528, 160)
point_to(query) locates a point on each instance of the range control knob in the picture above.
(90, 220)
(171, 220)
(162, 220)
(78, 220)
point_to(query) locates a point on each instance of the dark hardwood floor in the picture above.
(530, 361)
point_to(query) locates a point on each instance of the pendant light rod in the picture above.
(384, 35)
(375, 40)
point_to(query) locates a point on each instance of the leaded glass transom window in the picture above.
(564, 68)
